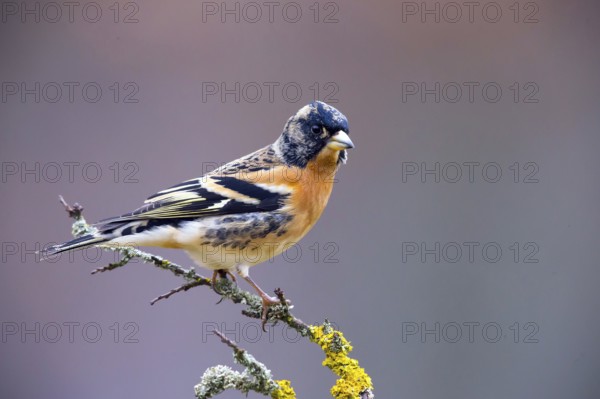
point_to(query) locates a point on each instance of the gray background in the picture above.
(171, 134)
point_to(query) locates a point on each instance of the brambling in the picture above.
(247, 211)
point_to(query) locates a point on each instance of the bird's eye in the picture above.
(316, 129)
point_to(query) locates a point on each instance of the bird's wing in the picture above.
(210, 196)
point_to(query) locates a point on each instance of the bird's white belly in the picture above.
(227, 242)
(216, 258)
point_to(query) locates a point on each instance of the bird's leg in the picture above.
(267, 300)
(223, 273)
(214, 282)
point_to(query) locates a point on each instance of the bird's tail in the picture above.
(80, 242)
(106, 230)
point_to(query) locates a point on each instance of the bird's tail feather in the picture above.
(106, 231)
(80, 242)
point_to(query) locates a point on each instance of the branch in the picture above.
(353, 382)
(255, 377)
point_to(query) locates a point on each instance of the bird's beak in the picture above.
(340, 141)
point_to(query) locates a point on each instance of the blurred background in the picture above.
(459, 249)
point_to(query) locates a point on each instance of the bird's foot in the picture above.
(268, 301)
(222, 273)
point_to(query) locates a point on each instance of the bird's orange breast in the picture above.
(311, 191)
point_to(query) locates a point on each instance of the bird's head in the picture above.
(315, 128)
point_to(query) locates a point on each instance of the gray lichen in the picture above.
(255, 377)
(216, 380)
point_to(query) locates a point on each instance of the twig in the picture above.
(228, 342)
(174, 291)
(73, 211)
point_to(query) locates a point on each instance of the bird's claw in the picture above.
(267, 302)
(222, 274)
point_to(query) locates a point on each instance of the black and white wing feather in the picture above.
(205, 196)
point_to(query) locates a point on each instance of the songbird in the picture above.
(247, 211)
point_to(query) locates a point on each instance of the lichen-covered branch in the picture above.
(353, 382)
(255, 377)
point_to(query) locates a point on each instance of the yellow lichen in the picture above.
(285, 390)
(353, 379)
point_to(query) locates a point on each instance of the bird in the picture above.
(246, 211)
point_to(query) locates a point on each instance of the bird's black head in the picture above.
(314, 127)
